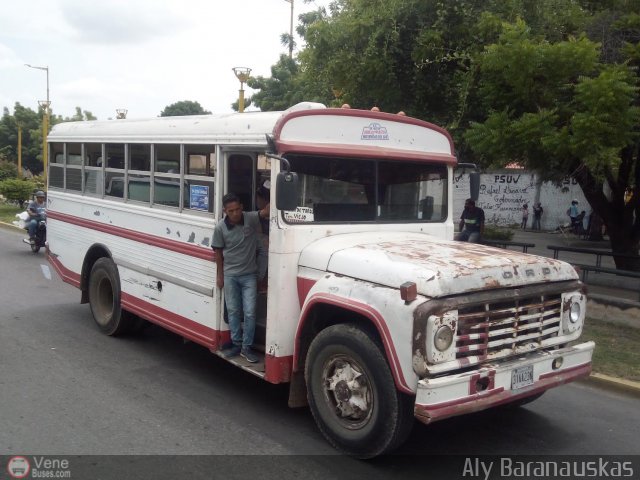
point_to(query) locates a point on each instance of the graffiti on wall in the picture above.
(502, 195)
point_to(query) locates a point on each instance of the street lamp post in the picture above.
(242, 73)
(19, 149)
(45, 104)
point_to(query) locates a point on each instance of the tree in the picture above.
(558, 109)
(18, 190)
(79, 116)
(184, 107)
(31, 122)
(279, 91)
(7, 169)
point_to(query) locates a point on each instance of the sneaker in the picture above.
(234, 351)
(248, 355)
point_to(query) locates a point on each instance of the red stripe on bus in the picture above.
(370, 152)
(371, 314)
(498, 396)
(148, 239)
(278, 369)
(67, 275)
(304, 285)
(183, 326)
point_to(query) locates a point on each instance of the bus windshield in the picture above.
(361, 190)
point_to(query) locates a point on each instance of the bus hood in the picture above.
(438, 267)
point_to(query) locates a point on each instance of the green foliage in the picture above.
(279, 91)
(552, 106)
(31, 123)
(8, 212)
(79, 116)
(496, 233)
(184, 107)
(18, 190)
(7, 170)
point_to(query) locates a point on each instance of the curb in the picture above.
(613, 383)
(10, 225)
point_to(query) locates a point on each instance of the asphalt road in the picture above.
(66, 389)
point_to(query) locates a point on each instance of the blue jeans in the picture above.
(32, 225)
(241, 294)
(468, 236)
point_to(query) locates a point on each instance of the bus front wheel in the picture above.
(352, 393)
(104, 298)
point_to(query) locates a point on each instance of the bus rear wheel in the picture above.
(104, 298)
(352, 394)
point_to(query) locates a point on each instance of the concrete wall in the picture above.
(502, 194)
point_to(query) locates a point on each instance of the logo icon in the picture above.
(374, 131)
(18, 467)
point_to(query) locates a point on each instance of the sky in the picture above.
(138, 55)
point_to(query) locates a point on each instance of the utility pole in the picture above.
(45, 119)
(290, 30)
(19, 149)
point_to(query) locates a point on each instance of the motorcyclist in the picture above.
(37, 213)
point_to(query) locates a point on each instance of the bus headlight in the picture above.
(440, 340)
(443, 338)
(573, 312)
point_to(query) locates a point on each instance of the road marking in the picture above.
(46, 271)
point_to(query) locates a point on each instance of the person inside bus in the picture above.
(37, 213)
(240, 263)
(263, 200)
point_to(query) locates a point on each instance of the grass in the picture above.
(8, 212)
(617, 350)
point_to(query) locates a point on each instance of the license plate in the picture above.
(521, 377)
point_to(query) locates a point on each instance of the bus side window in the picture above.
(199, 173)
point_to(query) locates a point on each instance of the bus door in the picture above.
(243, 178)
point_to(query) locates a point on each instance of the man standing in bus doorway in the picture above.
(240, 263)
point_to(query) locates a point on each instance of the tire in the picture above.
(35, 248)
(352, 394)
(104, 298)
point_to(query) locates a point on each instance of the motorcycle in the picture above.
(40, 238)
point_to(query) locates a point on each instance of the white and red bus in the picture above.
(373, 314)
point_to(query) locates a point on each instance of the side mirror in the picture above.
(474, 185)
(287, 191)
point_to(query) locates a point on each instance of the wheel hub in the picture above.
(342, 391)
(348, 390)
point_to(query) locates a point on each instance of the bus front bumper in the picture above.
(501, 383)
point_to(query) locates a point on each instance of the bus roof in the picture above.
(304, 128)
